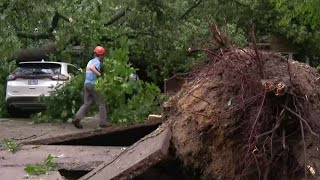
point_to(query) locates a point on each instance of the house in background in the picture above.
(281, 45)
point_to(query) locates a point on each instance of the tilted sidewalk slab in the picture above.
(142, 155)
(63, 138)
(24, 130)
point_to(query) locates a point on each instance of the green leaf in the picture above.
(38, 169)
(30, 169)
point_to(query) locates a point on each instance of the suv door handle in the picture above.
(51, 87)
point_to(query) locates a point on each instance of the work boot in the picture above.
(77, 124)
(104, 125)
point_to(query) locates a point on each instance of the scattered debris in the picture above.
(153, 117)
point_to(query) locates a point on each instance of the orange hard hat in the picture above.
(99, 50)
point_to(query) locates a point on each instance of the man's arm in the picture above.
(94, 69)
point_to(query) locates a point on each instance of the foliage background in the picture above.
(159, 32)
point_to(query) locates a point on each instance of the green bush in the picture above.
(63, 102)
(138, 108)
(42, 168)
(116, 89)
(5, 69)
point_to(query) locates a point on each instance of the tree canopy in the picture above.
(299, 20)
(159, 32)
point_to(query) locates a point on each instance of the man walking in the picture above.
(90, 94)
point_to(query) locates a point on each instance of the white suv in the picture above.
(33, 79)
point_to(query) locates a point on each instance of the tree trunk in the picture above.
(35, 54)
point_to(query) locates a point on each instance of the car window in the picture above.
(38, 68)
(72, 70)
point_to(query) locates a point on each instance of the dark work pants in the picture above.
(91, 95)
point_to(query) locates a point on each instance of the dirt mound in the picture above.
(248, 115)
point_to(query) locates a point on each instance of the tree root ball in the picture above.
(244, 117)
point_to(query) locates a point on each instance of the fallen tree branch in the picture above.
(130, 35)
(55, 20)
(185, 14)
(54, 24)
(116, 16)
(49, 34)
(35, 53)
(210, 52)
(34, 36)
(177, 76)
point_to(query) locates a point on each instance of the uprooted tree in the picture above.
(247, 114)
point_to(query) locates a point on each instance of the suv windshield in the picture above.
(37, 68)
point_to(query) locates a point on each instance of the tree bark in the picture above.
(34, 36)
(35, 54)
(116, 16)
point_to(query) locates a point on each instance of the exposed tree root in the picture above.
(247, 114)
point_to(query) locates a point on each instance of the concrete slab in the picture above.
(18, 173)
(136, 159)
(68, 157)
(74, 135)
(24, 129)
